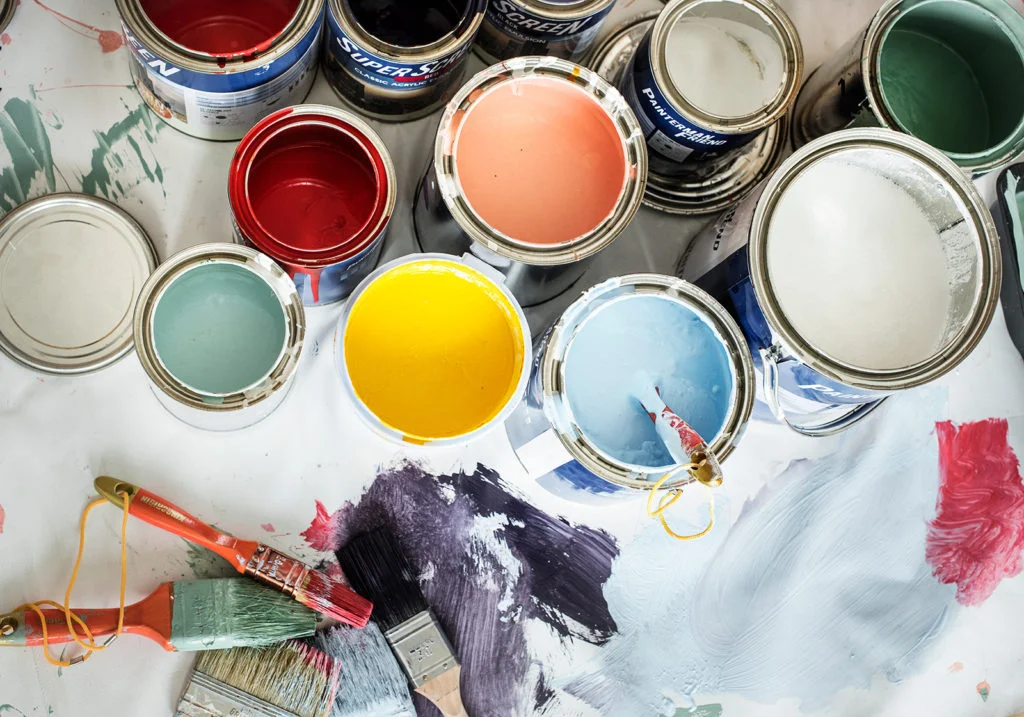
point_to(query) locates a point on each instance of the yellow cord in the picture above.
(69, 615)
(671, 497)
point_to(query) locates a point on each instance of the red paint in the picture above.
(2, 516)
(322, 533)
(226, 28)
(109, 40)
(5, 39)
(977, 536)
(688, 438)
(269, 527)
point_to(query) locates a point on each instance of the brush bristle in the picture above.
(234, 612)
(293, 676)
(376, 567)
(334, 599)
(374, 683)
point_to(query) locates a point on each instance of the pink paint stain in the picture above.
(269, 527)
(5, 39)
(984, 690)
(956, 667)
(977, 536)
(110, 40)
(322, 533)
(2, 516)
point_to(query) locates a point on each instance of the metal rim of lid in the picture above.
(115, 341)
(565, 9)
(729, 179)
(7, 8)
(460, 36)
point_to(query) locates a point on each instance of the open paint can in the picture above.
(538, 199)
(433, 349)
(709, 77)
(945, 71)
(557, 28)
(396, 60)
(213, 68)
(867, 264)
(314, 188)
(219, 329)
(7, 8)
(580, 432)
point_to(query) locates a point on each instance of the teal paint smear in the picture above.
(26, 140)
(1015, 206)
(713, 710)
(106, 157)
(11, 709)
(207, 564)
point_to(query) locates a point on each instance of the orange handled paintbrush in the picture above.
(293, 577)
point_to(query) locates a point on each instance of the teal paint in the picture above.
(219, 328)
(124, 135)
(1015, 205)
(206, 563)
(26, 140)
(949, 75)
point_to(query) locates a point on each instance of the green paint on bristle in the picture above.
(234, 612)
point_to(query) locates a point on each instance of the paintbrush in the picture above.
(373, 685)
(261, 562)
(287, 680)
(376, 566)
(181, 616)
(683, 443)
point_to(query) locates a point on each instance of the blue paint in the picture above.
(659, 336)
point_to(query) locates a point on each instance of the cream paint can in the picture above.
(219, 329)
(539, 199)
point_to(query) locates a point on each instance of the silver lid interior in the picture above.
(71, 268)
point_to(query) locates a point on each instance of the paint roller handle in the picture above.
(163, 514)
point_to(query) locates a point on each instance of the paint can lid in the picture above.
(71, 269)
(7, 8)
(713, 184)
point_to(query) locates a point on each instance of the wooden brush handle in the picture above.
(443, 691)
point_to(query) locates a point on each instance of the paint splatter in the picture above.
(956, 667)
(821, 584)
(322, 533)
(206, 564)
(30, 171)
(110, 40)
(5, 39)
(124, 138)
(977, 537)
(984, 690)
(492, 565)
(11, 709)
(2, 517)
(713, 710)
(268, 527)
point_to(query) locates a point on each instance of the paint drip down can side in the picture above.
(867, 264)
(579, 432)
(556, 28)
(521, 200)
(314, 188)
(212, 71)
(219, 329)
(398, 61)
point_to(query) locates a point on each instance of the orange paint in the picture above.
(540, 160)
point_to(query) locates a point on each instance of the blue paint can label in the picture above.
(561, 38)
(668, 133)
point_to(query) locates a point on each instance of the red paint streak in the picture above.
(5, 39)
(322, 533)
(222, 27)
(269, 527)
(2, 516)
(109, 40)
(977, 536)
(688, 437)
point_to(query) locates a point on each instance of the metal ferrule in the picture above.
(277, 570)
(515, 28)
(207, 697)
(422, 648)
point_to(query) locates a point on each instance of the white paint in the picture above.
(724, 67)
(857, 268)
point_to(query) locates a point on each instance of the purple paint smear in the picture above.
(491, 561)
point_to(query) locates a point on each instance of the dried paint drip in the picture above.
(485, 555)
(109, 40)
(977, 537)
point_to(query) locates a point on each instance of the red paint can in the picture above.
(314, 188)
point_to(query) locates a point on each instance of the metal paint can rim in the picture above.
(116, 341)
(135, 19)
(7, 8)
(304, 115)
(368, 416)
(793, 57)
(461, 35)
(876, 34)
(565, 10)
(256, 263)
(955, 181)
(559, 414)
(630, 134)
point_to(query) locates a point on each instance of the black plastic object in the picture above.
(1007, 213)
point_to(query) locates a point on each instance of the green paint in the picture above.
(207, 564)
(234, 612)
(1015, 205)
(713, 710)
(24, 136)
(950, 74)
(11, 709)
(219, 328)
(107, 156)
(984, 689)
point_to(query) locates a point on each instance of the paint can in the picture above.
(710, 76)
(7, 8)
(433, 349)
(582, 366)
(314, 188)
(219, 329)
(1008, 213)
(556, 28)
(214, 69)
(697, 186)
(867, 264)
(961, 61)
(521, 200)
(397, 60)
(72, 266)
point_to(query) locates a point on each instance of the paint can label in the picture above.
(668, 133)
(558, 36)
(378, 71)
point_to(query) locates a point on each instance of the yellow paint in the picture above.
(434, 349)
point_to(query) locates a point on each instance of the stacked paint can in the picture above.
(556, 28)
